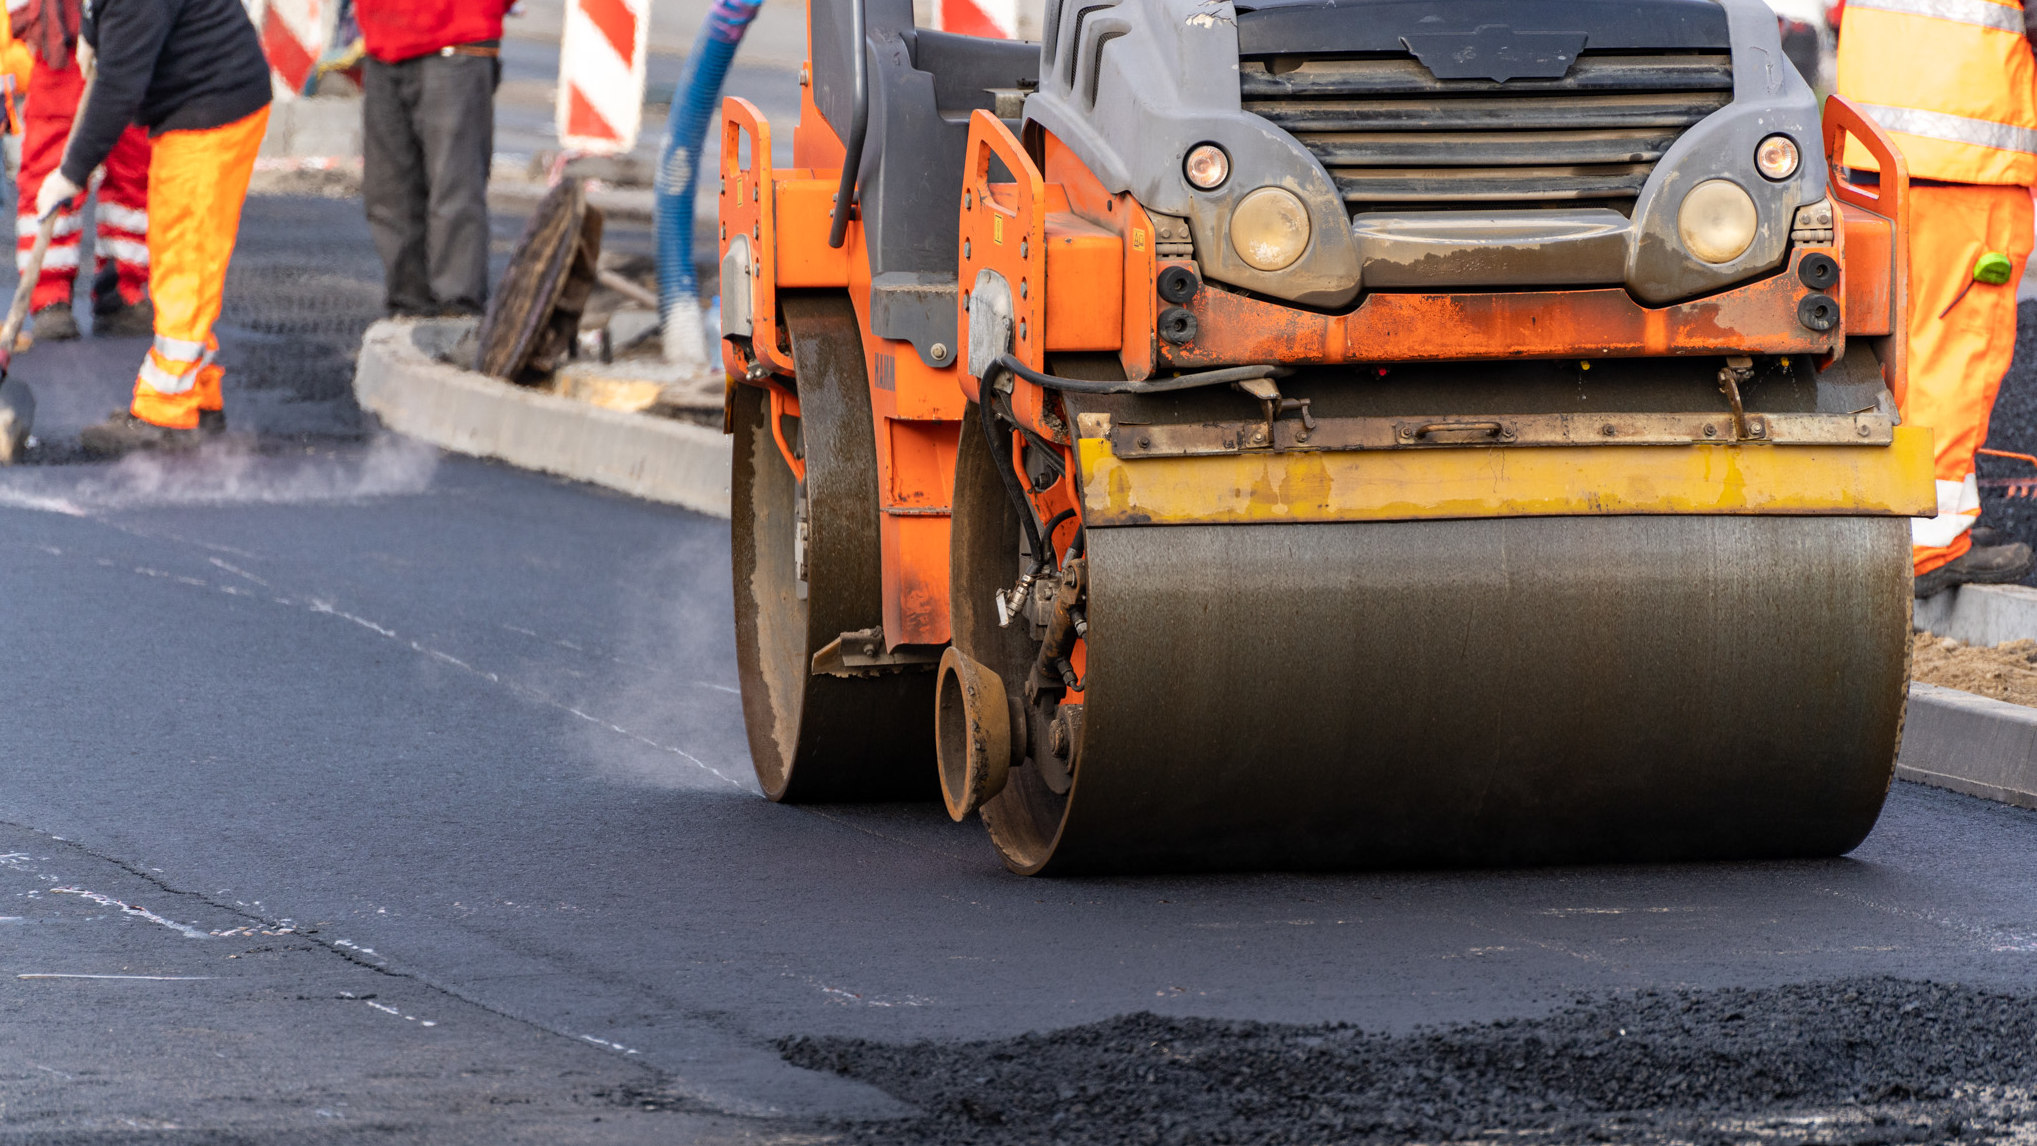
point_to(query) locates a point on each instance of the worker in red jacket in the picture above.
(428, 119)
(49, 28)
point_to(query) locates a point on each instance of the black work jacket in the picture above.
(169, 65)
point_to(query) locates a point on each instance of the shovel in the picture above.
(17, 401)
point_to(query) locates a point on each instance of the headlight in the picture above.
(1777, 157)
(1717, 221)
(1269, 228)
(1206, 166)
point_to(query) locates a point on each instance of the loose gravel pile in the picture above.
(2007, 671)
(1854, 1062)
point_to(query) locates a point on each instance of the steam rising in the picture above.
(224, 472)
(670, 678)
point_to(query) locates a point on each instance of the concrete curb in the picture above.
(1981, 614)
(401, 380)
(322, 126)
(1971, 744)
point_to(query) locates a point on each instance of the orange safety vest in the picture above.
(1953, 81)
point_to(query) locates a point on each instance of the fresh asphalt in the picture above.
(405, 798)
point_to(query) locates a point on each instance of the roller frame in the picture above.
(1277, 765)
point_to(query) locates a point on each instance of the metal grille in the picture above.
(1393, 136)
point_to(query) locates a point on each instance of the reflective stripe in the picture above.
(162, 381)
(1941, 531)
(1953, 128)
(2000, 17)
(1959, 496)
(25, 226)
(133, 252)
(178, 350)
(56, 259)
(1958, 509)
(129, 219)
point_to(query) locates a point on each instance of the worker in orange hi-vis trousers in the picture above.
(49, 30)
(1955, 83)
(192, 72)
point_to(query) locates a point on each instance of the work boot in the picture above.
(56, 323)
(127, 320)
(1980, 565)
(1986, 535)
(123, 433)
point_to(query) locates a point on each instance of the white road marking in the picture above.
(180, 579)
(606, 1043)
(385, 1009)
(1567, 911)
(150, 978)
(838, 995)
(185, 930)
(239, 572)
(1997, 939)
(328, 608)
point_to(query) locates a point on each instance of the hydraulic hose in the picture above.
(1000, 446)
(695, 106)
(1000, 457)
(1221, 377)
(859, 124)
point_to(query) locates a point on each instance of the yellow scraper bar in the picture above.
(1509, 481)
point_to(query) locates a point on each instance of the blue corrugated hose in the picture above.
(695, 107)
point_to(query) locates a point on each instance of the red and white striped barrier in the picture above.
(294, 35)
(601, 75)
(996, 19)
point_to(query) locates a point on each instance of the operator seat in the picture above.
(923, 86)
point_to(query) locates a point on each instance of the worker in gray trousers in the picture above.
(428, 120)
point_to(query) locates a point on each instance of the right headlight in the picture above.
(1270, 228)
(1718, 221)
(1777, 158)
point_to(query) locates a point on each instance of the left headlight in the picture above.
(1270, 228)
(1718, 221)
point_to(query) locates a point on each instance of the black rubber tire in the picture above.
(815, 738)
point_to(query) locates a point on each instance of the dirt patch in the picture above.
(2005, 672)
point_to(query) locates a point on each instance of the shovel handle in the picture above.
(44, 232)
(30, 271)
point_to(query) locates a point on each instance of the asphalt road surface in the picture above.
(355, 793)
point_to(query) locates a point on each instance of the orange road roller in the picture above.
(1236, 434)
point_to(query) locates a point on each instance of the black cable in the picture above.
(1050, 454)
(1150, 386)
(859, 124)
(1055, 523)
(1000, 457)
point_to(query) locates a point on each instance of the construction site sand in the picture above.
(2005, 672)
